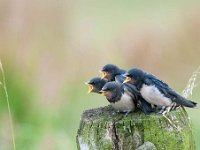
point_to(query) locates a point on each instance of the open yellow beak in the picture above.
(127, 79)
(103, 74)
(90, 88)
(103, 93)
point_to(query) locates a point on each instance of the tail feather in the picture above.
(194, 104)
(185, 102)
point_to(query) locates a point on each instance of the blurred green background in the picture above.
(50, 48)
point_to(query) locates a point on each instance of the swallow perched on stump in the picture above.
(119, 99)
(111, 72)
(123, 98)
(155, 91)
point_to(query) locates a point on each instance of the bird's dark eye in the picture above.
(92, 82)
(128, 75)
(105, 70)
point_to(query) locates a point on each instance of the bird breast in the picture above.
(124, 104)
(152, 95)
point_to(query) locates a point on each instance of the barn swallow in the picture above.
(95, 84)
(118, 98)
(123, 98)
(111, 72)
(154, 90)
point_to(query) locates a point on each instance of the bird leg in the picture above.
(166, 109)
(163, 110)
(173, 106)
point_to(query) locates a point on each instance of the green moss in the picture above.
(100, 129)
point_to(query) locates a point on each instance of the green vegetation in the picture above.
(3, 83)
(49, 50)
(99, 127)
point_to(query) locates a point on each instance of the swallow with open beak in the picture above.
(111, 72)
(95, 84)
(154, 90)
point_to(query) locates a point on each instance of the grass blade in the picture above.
(191, 84)
(3, 83)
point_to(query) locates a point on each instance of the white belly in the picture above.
(152, 95)
(124, 104)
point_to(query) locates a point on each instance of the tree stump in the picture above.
(102, 129)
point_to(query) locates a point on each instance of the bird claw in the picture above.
(173, 106)
(163, 110)
(166, 109)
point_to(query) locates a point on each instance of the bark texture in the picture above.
(102, 129)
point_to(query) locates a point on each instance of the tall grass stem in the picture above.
(191, 84)
(3, 83)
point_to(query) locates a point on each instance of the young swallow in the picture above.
(154, 90)
(123, 98)
(111, 72)
(95, 84)
(119, 99)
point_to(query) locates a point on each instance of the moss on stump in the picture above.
(101, 129)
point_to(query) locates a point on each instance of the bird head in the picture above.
(109, 71)
(134, 75)
(110, 90)
(95, 84)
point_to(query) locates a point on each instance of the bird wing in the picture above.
(156, 81)
(132, 90)
(120, 78)
(168, 92)
(137, 98)
(145, 106)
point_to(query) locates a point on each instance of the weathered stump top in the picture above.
(101, 129)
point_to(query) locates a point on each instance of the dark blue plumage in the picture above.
(111, 72)
(95, 84)
(154, 90)
(123, 97)
(120, 78)
(135, 94)
(119, 99)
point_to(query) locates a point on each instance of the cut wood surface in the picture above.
(103, 129)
